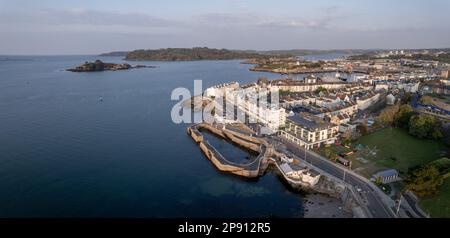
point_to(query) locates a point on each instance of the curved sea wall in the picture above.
(224, 166)
(251, 170)
(326, 184)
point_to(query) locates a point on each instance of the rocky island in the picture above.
(98, 66)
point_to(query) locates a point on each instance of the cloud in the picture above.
(264, 21)
(84, 17)
(77, 30)
(296, 23)
(394, 29)
(331, 10)
(79, 19)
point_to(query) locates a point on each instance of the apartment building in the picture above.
(309, 131)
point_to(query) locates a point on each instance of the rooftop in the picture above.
(286, 168)
(386, 173)
(309, 121)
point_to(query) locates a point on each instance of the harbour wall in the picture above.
(251, 170)
(327, 184)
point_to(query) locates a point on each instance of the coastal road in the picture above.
(368, 194)
(412, 203)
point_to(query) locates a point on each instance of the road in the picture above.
(412, 203)
(368, 195)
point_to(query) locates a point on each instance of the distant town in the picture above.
(372, 129)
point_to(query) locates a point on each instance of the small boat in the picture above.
(100, 99)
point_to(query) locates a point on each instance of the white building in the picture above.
(288, 171)
(368, 100)
(297, 86)
(390, 99)
(380, 86)
(410, 87)
(311, 79)
(386, 176)
(347, 127)
(219, 90)
(309, 132)
(303, 174)
(249, 101)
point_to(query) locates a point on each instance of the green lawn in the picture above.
(439, 205)
(395, 148)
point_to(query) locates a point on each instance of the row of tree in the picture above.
(418, 125)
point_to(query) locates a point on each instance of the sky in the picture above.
(49, 27)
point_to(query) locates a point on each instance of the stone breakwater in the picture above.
(251, 170)
(325, 184)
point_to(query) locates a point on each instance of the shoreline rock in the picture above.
(99, 66)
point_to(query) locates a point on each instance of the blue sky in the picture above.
(89, 27)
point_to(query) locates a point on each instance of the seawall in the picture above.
(251, 170)
(327, 184)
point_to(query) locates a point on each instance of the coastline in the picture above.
(325, 198)
(303, 71)
(323, 206)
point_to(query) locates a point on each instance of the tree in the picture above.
(406, 98)
(263, 81)
(363, 129)
(327, 152)
(377, 125)
(404, 115)
(378, 181)
(387, 116)
(330, 154)
(283, 93)
(424, 126)
(347, 138)
(320, 89)
(425, 181)
(426, 100)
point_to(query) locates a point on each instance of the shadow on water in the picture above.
(231, 151)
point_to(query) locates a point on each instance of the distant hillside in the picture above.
(204, 53)
(116, 54)
(189, 54)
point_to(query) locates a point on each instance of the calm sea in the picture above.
(65, 153)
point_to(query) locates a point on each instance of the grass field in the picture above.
(439, 205)
(395, 148)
